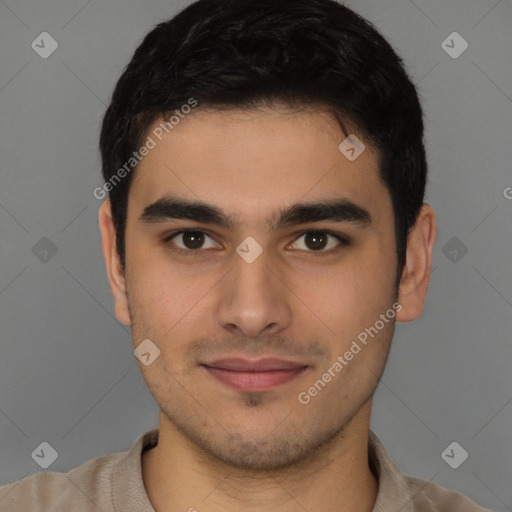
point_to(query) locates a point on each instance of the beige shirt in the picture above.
(113, 483)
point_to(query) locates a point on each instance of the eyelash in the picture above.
(343, 241)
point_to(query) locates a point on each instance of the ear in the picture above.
(115, 270)
(418, 265)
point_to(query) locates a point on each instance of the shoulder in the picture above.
(83, 488)
(429, 496)
(411, 493)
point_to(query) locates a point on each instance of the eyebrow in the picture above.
(336, 210)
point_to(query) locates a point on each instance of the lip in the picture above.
(254, 375)
(266, 364)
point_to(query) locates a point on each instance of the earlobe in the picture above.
(418, 265)
(115, 270)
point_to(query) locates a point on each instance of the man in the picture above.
(264, 231)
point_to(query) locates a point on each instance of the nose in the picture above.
(254, 301)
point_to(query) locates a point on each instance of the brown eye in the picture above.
(315, 240)
(192, 240)
(319, 241)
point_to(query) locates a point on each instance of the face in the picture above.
(257, 254)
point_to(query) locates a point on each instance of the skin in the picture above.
(222, 449)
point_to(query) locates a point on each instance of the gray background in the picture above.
(67, 372)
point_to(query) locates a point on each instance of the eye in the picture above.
(319, 241)
(192, 240)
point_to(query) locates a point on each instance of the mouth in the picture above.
(254, 375)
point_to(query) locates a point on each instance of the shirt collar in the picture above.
(129, 494)
(393, 493)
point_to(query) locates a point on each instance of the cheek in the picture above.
(163, 300)
(170, 306)
(350, 296)
(156, 281)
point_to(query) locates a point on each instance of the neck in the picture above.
(177, 476)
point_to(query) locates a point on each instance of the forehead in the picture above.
(253, 163)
